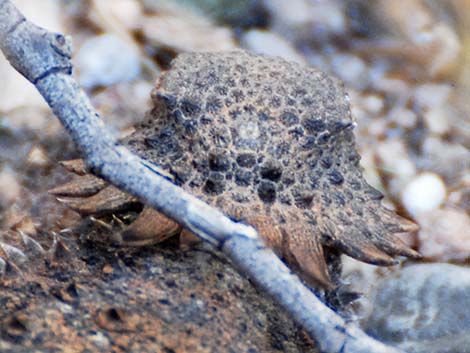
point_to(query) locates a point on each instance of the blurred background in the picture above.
(405, 63)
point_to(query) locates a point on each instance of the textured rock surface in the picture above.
(423, 308)
(158, 299)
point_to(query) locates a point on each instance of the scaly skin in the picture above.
(271, 144)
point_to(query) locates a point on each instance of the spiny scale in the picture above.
(27, 253)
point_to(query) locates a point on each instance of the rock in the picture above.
(424, 193)
(438, 120)
(269, 43)
(156, 299)
(423, 308)
(404, 117)
(433, 100)
(37, 157)
(105, 60)
(430, 41)
(362, 278)
(10, 188)
(99, 340)
(307, 20)
(450, 160)
(432, 95)
(126, 13)
(395, 161)
(182, 30)
(445, 234)
(372, 103)
(351, 69)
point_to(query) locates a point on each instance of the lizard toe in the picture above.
(108, 200)
(83, 186)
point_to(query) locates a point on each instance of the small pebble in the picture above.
(100, 341)
(445, 234)
(437, 120)
(37, 157)
(107, 269)
(403, 117)
(381, 80)
(126, 13)
(10, 189)
(396, 164)
(269, 43)
(105, 60)
(307, 19)
(425, 192)
(432, 95)
(450, 160)
(186, 32)
(350, 68)
(64, 308)
(373, 103)
(447, 49)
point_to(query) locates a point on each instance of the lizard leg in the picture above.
(83, 186)
(90, 195)
(108, 200)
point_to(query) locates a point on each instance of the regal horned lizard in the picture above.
(271, 144)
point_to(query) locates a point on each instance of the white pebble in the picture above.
(424, 193)
(437, 120)
(373, 103)
(403, 117)
(99, 340)
(126, 13)
(445, 234)
(105, 60)
(350, 68)
(395, 159)
(431, 95)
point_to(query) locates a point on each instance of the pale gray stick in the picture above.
(44, 59)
